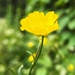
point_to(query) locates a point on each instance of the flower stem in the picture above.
(8, 68)
(20, 69)
(39, 50)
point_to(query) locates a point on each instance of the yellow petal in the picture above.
(30, 44)
(40, 24)
(55, 26)
(70, 67)
(31, 58)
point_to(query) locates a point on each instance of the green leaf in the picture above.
(63, 22)
(65, 36)
(45, 1)
(45, 61)
(66, 1)
(72, 14)
(72, 41)
(41, 71)
(72, 25)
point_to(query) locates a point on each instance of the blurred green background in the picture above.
(58, 55)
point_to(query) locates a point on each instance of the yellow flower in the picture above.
(45, 40)
(30, 44)
(31, 58)
(40, 24)
(70, 67)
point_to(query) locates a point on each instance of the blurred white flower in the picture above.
(19, 35)
(58, 67)
(52, 37)
(63, 71)
(13, 41)
(71, 48)
(5, 41)
(9, 32)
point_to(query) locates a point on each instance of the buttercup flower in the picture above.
(30, 44)
(45, 40)
(40, 24)
(31, 58)
(70, 67)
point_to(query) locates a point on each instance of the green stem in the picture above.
(39, 50)
(8, 68)
(20, 69)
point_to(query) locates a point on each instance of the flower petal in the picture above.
(40, 24)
